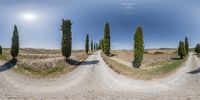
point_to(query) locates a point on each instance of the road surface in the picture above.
(94, 80)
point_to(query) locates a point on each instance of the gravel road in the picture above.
(94, 80)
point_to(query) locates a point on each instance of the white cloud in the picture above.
(128, 5)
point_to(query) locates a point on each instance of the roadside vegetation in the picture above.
(49, 67)
(151, 67)
(3, 57)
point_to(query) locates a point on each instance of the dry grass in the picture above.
(40, 63)
(155, 69)
(150, 59)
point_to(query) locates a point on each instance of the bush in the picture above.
(158, 52)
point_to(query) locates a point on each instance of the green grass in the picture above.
(158, 71)
(4, 57)
(50, 72)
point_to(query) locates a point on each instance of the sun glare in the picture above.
(29, 16)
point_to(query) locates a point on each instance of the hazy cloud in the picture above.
(128, 5)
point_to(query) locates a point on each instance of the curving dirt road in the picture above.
(94, 80)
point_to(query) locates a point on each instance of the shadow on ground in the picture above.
(8, 65)
(194, 71)
(90, 62)
(176, 58)
(75, 62)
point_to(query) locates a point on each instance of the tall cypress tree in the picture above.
(91, 45)
(181, 49)
(97, 46)
(0, 50)
(186, 45)
(106, 39)
(138, 47)
(15, 43)
(87, 43)
(101, 45)
(197, 48)
(66, 38)
(94, 46)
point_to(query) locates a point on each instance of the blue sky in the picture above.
(164, 22)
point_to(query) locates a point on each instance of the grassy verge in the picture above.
(159, 71)
(4, 57)
(47, 73)
(50, 69)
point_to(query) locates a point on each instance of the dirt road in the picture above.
(94, 80)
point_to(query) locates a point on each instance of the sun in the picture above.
(29, 16)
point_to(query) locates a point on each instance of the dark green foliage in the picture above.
(186, 45)
(91, 45)
(15, 43)
(158, 52)
(197, 48)
(106, 40)
(138, 47)
(87, 43)
(101, 45)
(181, 49)
(0, 50)
(97, 46)
(94, 46)
(66, 38)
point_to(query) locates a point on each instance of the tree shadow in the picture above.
(73, 62)
(176, 58)
(8, 65)
(194, 71)
(90, 62)
(76, 62)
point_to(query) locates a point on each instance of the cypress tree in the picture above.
(181, 50)
(66, 45)
(138, 47)
(101, 45)
(106, 40)
(15, 43)
(186, 45)
(87, 44)
(197, 48)
(0, 50)
(94, 47)
(97, 46)
(91, 45)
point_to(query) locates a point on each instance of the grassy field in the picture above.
(40, 63)
(158, 69)
(5, 57)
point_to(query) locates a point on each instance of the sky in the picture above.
(164, 22)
